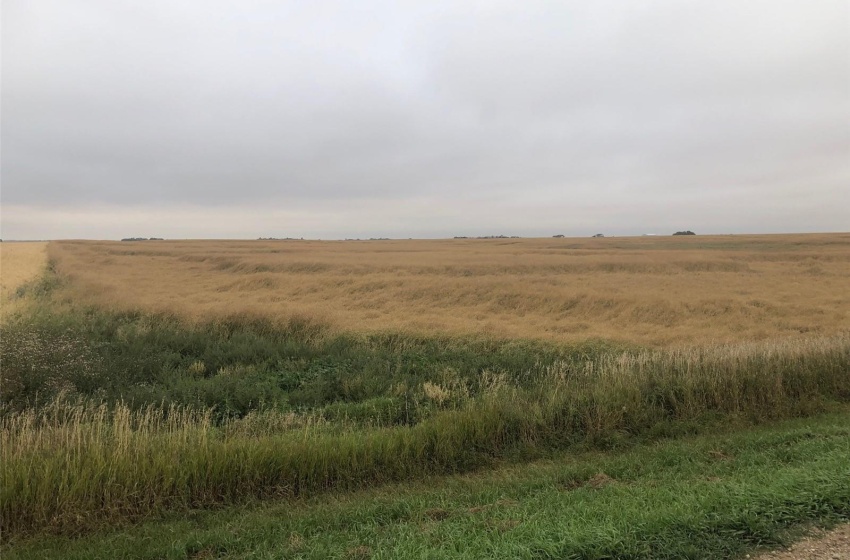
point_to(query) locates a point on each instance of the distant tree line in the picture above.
(688, 232)
(142, 239)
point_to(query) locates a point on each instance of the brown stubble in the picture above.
(658, 291)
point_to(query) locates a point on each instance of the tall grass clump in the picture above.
(68, 467)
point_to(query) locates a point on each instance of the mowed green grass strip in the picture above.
(712, 496)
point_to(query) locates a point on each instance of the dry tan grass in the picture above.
(19, 263)
(651, 290)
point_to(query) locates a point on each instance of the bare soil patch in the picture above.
(820, 545)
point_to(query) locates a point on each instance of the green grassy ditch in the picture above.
(718, 495)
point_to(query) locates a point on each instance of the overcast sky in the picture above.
(333, 119)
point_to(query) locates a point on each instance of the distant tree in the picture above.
(559, 235)
(688, 232)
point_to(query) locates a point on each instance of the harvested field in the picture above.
(656, 291)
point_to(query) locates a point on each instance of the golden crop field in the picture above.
(658, 291)
(19, 263)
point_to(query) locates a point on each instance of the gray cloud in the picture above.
(462, 118)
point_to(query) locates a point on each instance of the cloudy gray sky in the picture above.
(331, 119)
